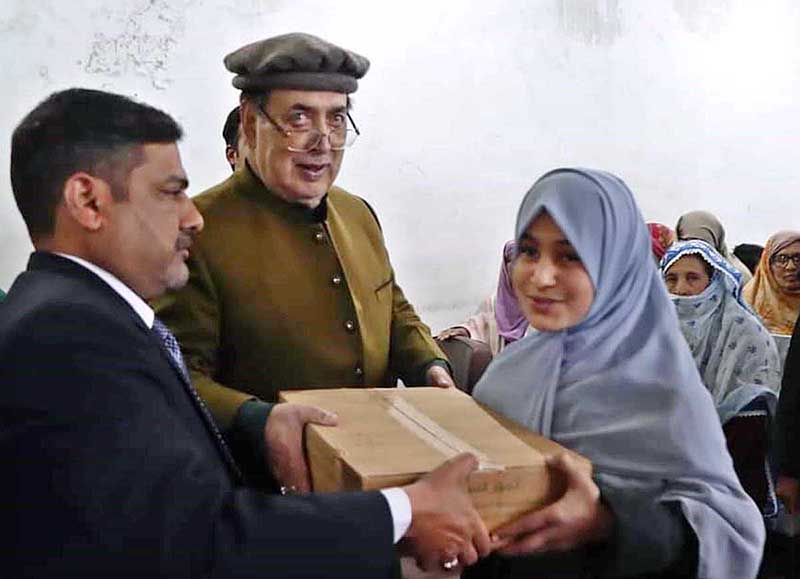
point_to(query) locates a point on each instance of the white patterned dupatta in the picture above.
(735, 354)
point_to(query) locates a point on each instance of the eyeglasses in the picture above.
(783, 260)
(306, 140)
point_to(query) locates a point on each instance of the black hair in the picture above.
(230, 131)
(750, 254)
(79, 130)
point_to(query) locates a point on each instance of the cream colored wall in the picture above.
(692, 102)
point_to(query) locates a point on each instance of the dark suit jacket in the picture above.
(110, 470)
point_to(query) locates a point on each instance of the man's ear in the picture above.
(248, 122)
(86, 199)
(231, 155)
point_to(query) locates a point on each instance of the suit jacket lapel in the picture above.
(43, 261)
(201, 408)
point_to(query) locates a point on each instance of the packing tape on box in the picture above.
(444, 441)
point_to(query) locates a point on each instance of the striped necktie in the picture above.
(172, 347)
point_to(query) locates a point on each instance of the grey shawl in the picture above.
(621, 387)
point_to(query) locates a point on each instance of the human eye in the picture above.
(172, 191)
(298, 119)
(528, 250)
(338, 120)
(567, 254)
(173, 187)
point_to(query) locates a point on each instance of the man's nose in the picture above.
(191, 219)
(323, 144)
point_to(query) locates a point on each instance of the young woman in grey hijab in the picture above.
(610, 376)
(706, 227)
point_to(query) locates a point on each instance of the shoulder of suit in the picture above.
(56, 301)
(344, 200)
(220, 193)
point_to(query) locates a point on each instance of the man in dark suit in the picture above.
(113, 466)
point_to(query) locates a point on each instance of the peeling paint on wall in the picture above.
(595, 22)
(148, 31)
(696, 103)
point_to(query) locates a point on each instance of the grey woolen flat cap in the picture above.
(296, 61)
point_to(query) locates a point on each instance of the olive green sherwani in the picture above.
(283, 297)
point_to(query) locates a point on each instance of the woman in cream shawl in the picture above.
(617, 384)
(774, 291)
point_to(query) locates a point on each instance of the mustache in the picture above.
(313, 160)
(184, 241)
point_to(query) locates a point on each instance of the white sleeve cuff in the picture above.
(400, 507)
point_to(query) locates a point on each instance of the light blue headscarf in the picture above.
(735, 354)
(621, 387)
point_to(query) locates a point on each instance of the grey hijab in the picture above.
(621, 387)
(702, 225)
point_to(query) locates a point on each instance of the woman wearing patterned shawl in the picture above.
(609, 376)
(735, 354)
(737, 358)
(774, 291)
(498, 321)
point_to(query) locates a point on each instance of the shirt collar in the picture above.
(252, 185)
(138, 304)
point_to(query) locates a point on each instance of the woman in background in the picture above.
(498, 321)
(608, 375)
(661, 237)
(735, 355)
(774, 292)
(706, 227)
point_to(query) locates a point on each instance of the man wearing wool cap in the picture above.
(291, 285)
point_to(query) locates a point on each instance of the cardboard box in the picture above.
(391, 436)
